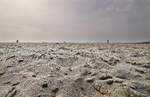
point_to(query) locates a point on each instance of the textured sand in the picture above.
(74, 70)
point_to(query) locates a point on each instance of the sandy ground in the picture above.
(74, 70)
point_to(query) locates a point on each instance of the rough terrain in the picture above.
(74, 70)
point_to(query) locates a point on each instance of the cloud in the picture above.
(85, 20)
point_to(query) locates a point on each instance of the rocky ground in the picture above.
(74, 70)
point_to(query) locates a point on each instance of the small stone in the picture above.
(20, 60)
(1, 73)
(15, 83)
(105, 77)
(118, 81)
(85, 73)
(109, 82)
(136, 64)
(34, 75)
(55, 90)
(9, 66)
(69, 69)
(100, 49)
(57, 68)
(89, 80)
(39, 96)
(147, 65)
(140, 71)
(77, 53)
(66, 73)
(51, 58)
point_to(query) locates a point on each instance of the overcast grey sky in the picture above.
(82, 20)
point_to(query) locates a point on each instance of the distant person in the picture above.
(107, 41)
(17, 41)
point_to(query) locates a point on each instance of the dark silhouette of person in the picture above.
(17, 41)
(107, 41)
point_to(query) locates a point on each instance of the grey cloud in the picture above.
(85, 20)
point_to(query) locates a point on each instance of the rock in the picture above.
(51, 58)
(9, 66)
(100, 49)
(105, 77)
(77, 53)
(65, 73)
(111, 61)
(14, 84)
(21, 60)
(140, 71)
(136, 64)
(87, 66)
(147, 65)
(109, 82)
(58, 68)
(33, 75)
(118, 80)
(90, 80)
(55, 90)
(2, 73)
(69, 69)
(85, 73)
(148, 78)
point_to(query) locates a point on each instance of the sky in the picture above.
(75, 20)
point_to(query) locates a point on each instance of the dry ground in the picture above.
(74, 70)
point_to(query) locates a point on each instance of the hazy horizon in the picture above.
(74, 20)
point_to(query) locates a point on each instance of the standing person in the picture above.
(17, 41)
(107, 41)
